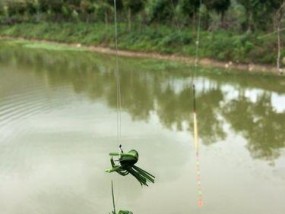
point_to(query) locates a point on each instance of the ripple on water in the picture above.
(34, 100)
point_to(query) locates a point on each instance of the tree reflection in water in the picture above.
(261, 125)
(147, 88)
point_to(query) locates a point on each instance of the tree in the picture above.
(87, 8)
(103, 9)
(278, 18)
(185, 10)
(219, 6)
(51, 7)
(32, 7)
(160, 11)
(133, 7)
(2, 9)
(15, 10)
(189, 7)
(258, 12)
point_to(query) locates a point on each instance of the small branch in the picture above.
(269, 34)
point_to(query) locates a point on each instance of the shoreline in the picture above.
(205, 62)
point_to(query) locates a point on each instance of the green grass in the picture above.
(219, 45)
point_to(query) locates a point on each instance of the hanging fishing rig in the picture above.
(126, 165)
(126, 161)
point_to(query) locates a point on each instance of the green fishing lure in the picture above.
(127, 166)
(123, 212)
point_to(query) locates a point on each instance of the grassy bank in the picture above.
(219, 45)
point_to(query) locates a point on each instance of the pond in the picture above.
(59, 121)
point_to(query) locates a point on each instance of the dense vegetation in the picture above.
(237, 30)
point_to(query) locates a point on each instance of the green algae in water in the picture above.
(54, 47)
(42, 45)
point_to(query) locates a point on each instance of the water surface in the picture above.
(58, 122)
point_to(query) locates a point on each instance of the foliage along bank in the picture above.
(232, 30)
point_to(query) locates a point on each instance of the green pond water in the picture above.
(59, 121)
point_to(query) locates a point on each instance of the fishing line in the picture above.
(200, 200)
(118, 86)
(117, 74)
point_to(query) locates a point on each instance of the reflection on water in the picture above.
(58, 123)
